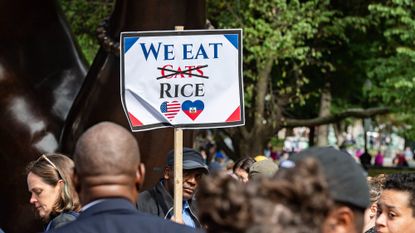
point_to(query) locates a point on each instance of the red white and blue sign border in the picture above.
(136, 125)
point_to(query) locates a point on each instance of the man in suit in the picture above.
(108, 174)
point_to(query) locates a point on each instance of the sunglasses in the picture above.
(53, 165)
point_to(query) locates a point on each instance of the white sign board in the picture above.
(183, 79)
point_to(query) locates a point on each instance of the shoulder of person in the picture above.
(145, 197)
(166, 226)
(146, 202)
(62, 219)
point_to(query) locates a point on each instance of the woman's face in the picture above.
(44, 196)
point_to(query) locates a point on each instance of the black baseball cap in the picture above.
(192, 159)
(346, 179)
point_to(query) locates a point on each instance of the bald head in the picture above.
(106, 149)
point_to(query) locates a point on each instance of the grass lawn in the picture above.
(373, 171)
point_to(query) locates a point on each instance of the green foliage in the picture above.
(374, 171)
(393, 65)
(307, 41)
(274, 31)
(390, 60)
(84, 16)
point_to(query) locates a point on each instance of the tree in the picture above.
(84, 17)
(391, 66)
(288, 48)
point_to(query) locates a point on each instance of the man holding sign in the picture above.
(159, 199)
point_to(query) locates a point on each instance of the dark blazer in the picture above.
(61, 220)
(157, 201)
(118, 215)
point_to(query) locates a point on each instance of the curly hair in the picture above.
(375, 187)
(295, 200)
(54, 167)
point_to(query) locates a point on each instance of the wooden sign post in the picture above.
(178, 174)
(178, 167)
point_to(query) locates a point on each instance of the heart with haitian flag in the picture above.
(193, 108)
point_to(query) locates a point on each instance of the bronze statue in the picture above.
(41, 74)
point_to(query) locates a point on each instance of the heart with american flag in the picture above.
(170, 109)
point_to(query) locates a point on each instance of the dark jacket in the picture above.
(157, 201)
(118, 215)
(61, 219)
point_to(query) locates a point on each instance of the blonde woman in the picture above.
(53, 196)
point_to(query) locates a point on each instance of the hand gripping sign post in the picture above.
(182, 79)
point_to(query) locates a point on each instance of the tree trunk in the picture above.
(259, 133)
(325, 105)
(338, 131)
(253, 143)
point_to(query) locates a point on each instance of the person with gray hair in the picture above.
(108, 175)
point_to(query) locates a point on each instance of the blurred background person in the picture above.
(365, 160)
(241, 168)
(409, 155)
(265, 167)
(379, 159)
(218, 164)
(399, 160)
(53, 196)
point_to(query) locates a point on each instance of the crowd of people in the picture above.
(317, 190)
(400, 159)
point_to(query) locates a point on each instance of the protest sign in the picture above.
(182, 79)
